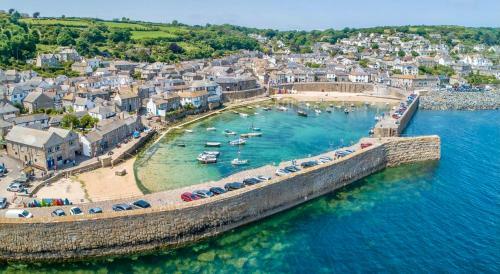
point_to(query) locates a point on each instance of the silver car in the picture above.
(3, 202)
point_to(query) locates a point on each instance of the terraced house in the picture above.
(42, 149)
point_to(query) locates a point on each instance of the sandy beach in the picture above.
(338, 97)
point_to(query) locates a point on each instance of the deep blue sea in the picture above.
(435, 217)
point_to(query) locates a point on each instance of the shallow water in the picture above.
(429, 217)
(285, 136)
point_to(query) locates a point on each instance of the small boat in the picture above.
(317, 111)
(188, 131)
(235, 112)
(377, 118)
(282, 108)
(206, 159)
(266, 108)
(346, 111)
(352, 105)
(212, 153)
(211, 129)
(249, 107)
(331, 105)
(329, 110)
(239, 162)
(181, 145)
(255, 128)
(302, 113)
(238, 142)
(212, 144)
(371, 132)
(229, 132)
(251, 134)
(308, 105)
(243, 115)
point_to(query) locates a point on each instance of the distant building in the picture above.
(36, 101)
(414, 81)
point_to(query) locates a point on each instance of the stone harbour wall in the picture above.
(115, 233)
(231, 96)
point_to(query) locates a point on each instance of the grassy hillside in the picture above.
(23, 38)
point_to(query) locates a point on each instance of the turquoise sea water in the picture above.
(285, 136)
(431, 217)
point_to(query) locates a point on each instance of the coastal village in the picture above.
(53, 125)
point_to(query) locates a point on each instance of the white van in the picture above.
(18, 213)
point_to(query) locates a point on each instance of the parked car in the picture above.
(142, 204)
(188, 197)
(309, 164)
(18, 213)
(15, 187)
(251, 181)
(292, 168)
(95, 210)
(217, 190)
(263, 178)
(233, 186)
(203, 193)
(122, 207)
(365, 145)
(75, 211)
(58, 213)
(282, 172)
(3, 202)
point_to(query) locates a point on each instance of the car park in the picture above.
(3, 202)
(58, 213)
(95, 210)
(142, 204)
(233, 186)
(202, 194)
(217, 190)
(122, 207)
(18, 213)
(75, 211)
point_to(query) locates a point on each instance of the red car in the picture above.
(188, 197)
(365, 145)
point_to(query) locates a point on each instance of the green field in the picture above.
(140, 35)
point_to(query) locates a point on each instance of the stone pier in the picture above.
(115, 233)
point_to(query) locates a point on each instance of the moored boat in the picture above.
(206, 159)
(211, 129)
(212, 144)
(238, 142)
(251, 134)
(212, 153)
(188, 131)
(266, 108)
(346, 111)
(282, 108)
(229, 132)
(302, 113)
(239, 162)
(243, 115)
(317, 111)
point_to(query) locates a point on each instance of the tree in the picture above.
(36, 14)
(65, 39)
(88, 121)
(401, 53)
(11, 11)
(120, 35)
(175, 48)
(70, 121)
(363, 63)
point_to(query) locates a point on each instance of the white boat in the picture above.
(239, 162)
(307, 104)
(188, 131)
(249, 107)
(346, 111)
(255, 128)
(212, 153)
(211, 129)
(282, 109)
(377, 118)
(243, 115)
(229, 132)
(251, 134)
(206, 159)
(238, 142)
(212, 144)
(317, 111)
